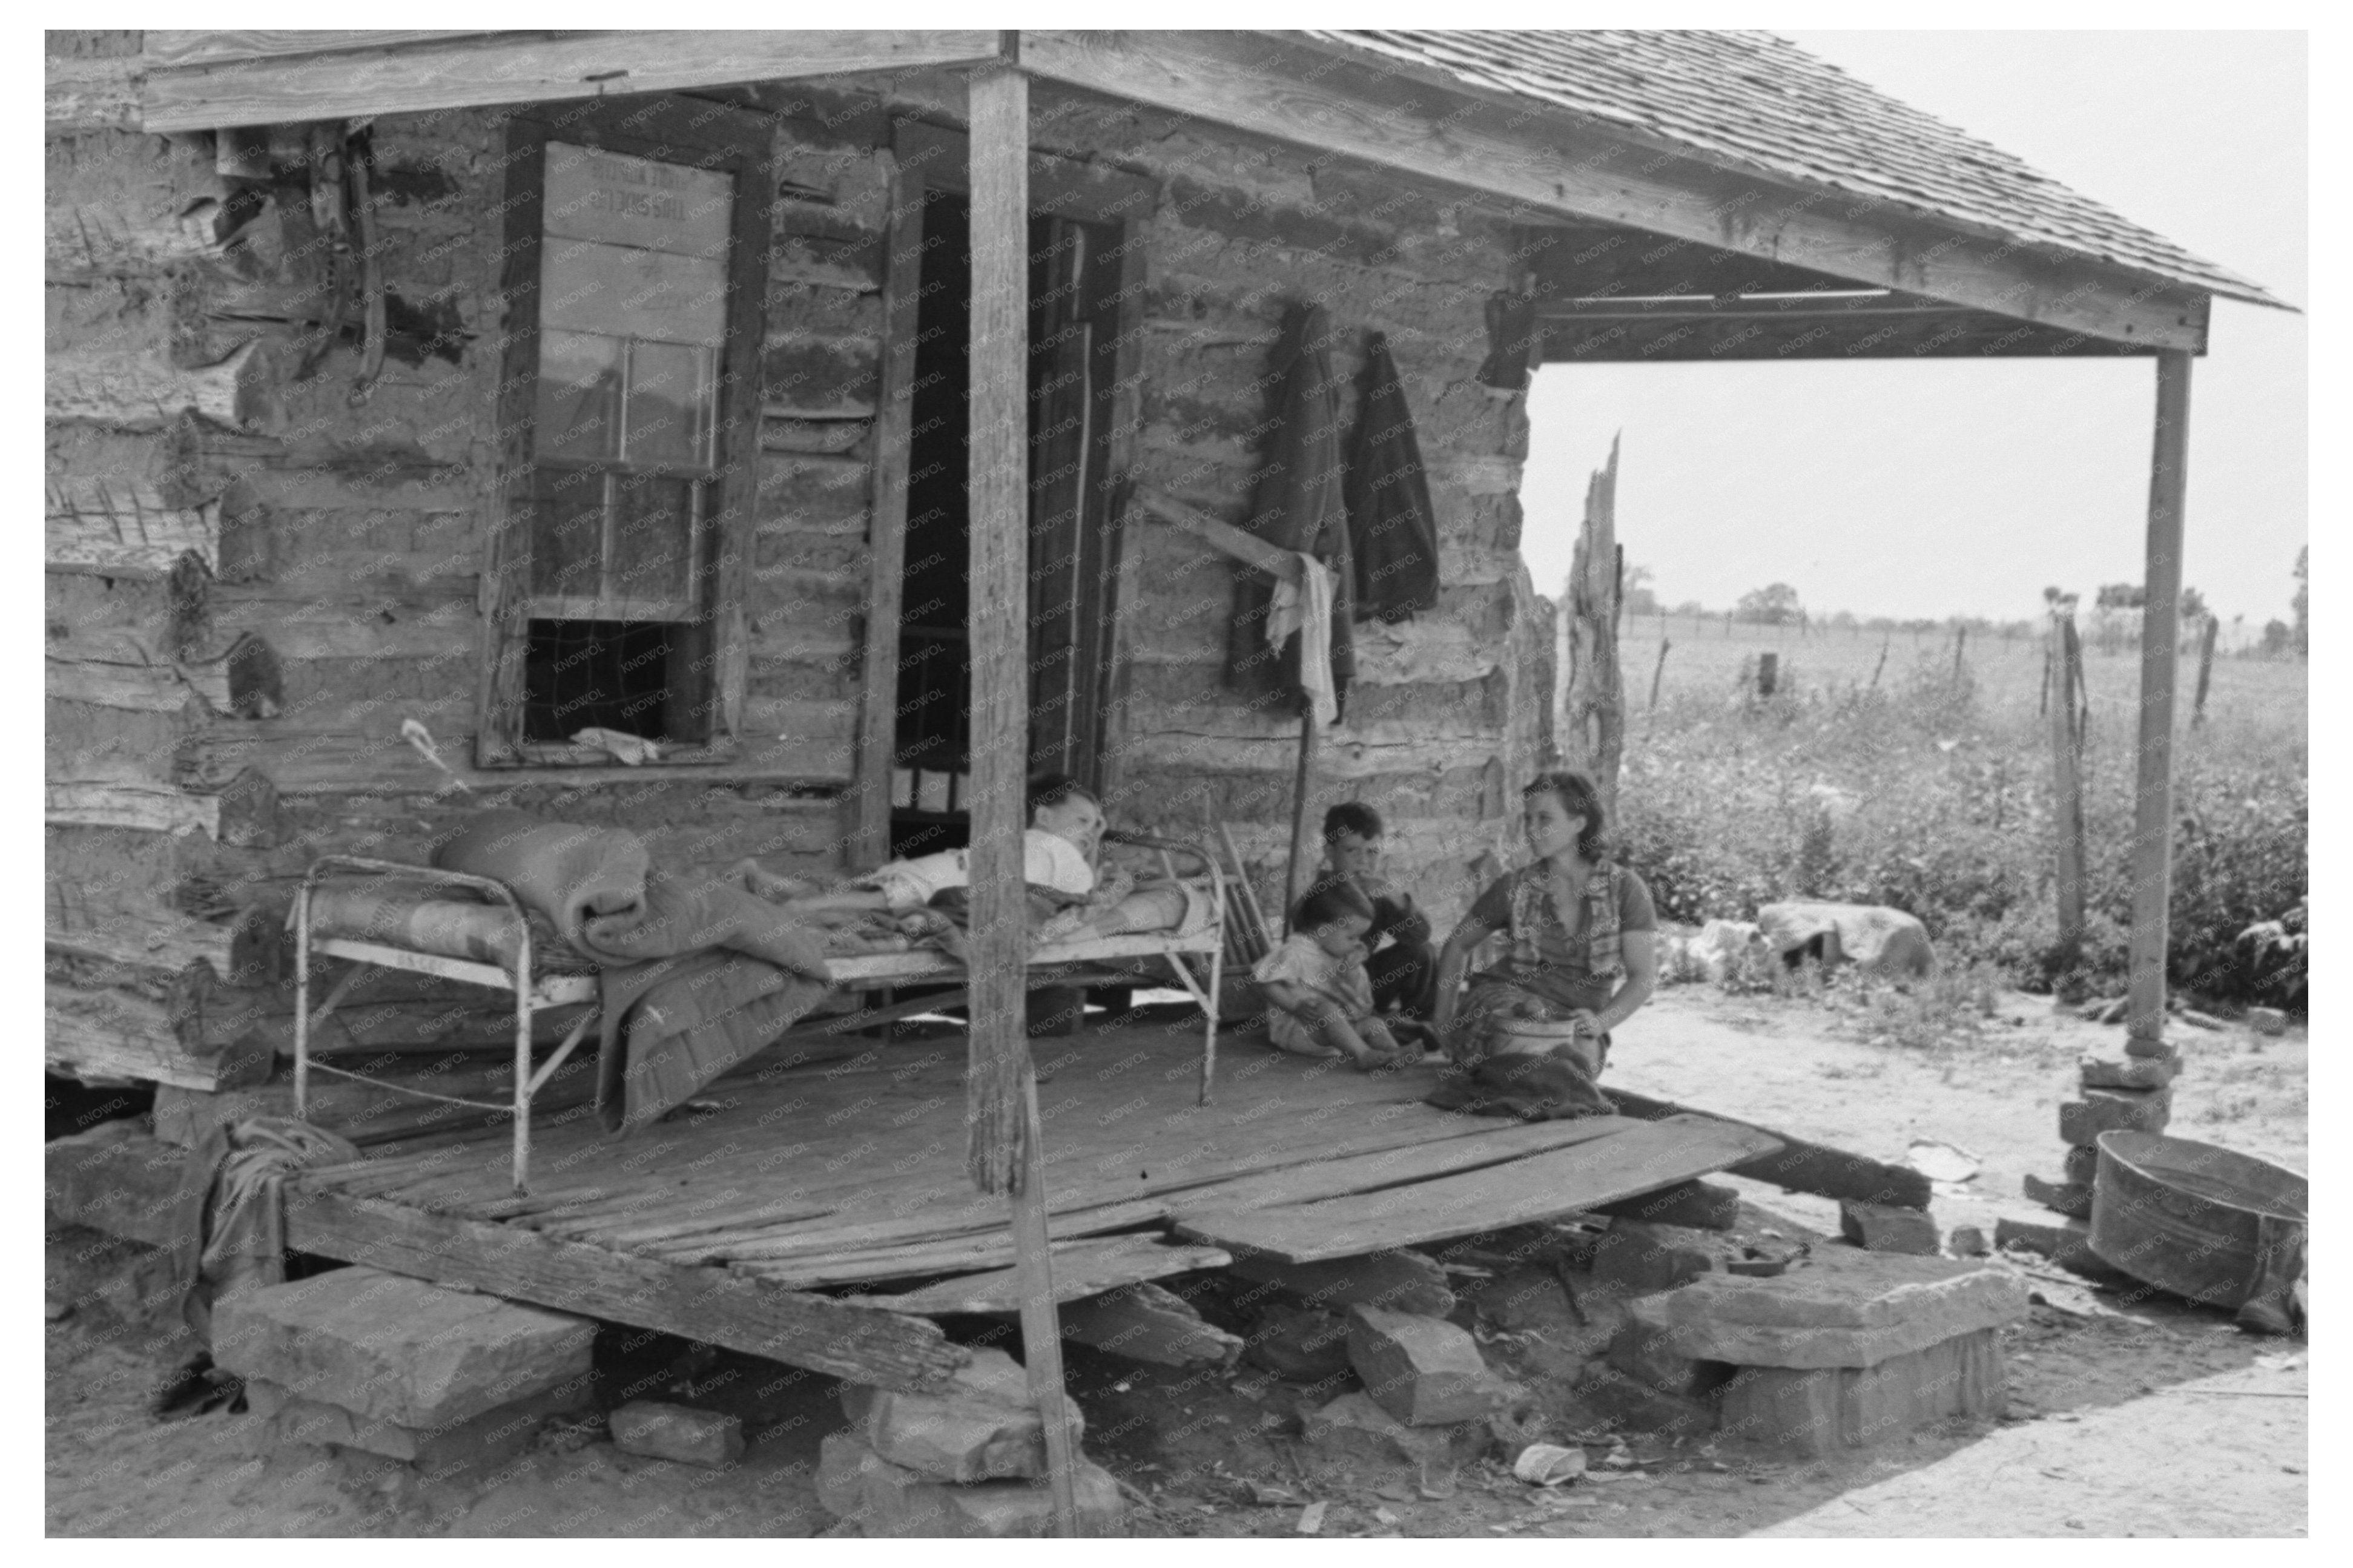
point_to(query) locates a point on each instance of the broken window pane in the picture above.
(579, 406)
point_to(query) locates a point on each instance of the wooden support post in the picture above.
(1005, 1155)
(2066, 787)
(2160, 636)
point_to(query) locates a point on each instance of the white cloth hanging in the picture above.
(1304, 606)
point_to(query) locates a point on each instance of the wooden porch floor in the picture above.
(851, 1174)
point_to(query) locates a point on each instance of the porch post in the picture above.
(1005, 1155)
(2159, 660)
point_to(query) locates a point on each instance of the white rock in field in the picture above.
(1875, 939)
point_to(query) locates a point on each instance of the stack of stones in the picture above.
(966, 1460)
(444, 1380)
(2131, 1093)
(1847, 1350)
(1427, 1394)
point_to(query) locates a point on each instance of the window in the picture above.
(629, 415)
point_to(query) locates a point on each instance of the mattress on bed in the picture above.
(435, 917)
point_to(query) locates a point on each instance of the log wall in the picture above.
(263, 562)
(1448, 714)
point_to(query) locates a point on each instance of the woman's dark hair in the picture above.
(1578, 797)
(1328, 902)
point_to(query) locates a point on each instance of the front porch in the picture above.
(820, 1212)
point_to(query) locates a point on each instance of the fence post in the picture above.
(2066, 785)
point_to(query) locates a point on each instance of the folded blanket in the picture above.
(615, 907)
(567, 872)
(695, 973)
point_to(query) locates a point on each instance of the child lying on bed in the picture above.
(1320, 998)
(1058, 851)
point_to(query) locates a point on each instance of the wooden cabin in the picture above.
(419, 401)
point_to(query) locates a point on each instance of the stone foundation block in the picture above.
(1883, 1227)
(887, 1500)
(1646, 1354)
(2073, 1199)
(1305, 1346)
(1967, 1241)
(388, 1348)
(1700, 1206)
(1631, 1403)
(1639, 1258)
(483, 1441)
(2080, 1166)
(2069, 1246)
(980, 1426)
(1426, 1371)
(2129, 1072)
(1353, 1425)
(1818, 1411)
(678, 1432)
(2113, 1109)
(1838, 1307)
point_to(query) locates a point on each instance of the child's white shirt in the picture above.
(1047, 859)
(1301, 961)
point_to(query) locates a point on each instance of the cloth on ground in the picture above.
(1342, 982)
(228, 1232)
(1303, 609)
(1392, 526)
(1554, 1087)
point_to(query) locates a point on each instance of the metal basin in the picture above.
(2216, 1226)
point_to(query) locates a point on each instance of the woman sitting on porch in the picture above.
(1583, 945)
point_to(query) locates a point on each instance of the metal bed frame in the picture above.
(1068, 963)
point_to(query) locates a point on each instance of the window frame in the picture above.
(705, 135)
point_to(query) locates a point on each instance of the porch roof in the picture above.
(1752, 101)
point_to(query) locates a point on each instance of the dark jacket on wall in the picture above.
(1298, 505)
(1392, 526)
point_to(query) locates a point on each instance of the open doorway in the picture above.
(1073, 541)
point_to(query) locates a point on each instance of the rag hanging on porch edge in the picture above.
(1298, 506)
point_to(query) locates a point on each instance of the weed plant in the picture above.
(1921, 793)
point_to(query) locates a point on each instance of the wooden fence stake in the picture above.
(1659, 672)
(2066, 788)
(2205, 667)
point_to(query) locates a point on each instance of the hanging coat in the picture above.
(1392, 528)
(1298, 505)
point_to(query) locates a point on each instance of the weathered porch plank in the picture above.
(885, 1349)
(1799, 1166)
(1538, 1187)
(1082, 1268)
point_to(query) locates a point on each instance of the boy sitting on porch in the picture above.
(1058, 851)
(1404, 972)
(1320, 999)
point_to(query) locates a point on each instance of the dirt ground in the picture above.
(1210, 1453)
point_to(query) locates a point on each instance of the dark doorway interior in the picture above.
(1073, 554)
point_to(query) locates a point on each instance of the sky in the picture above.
(1949, 487)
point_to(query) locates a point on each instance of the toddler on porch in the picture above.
(1320, 999)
